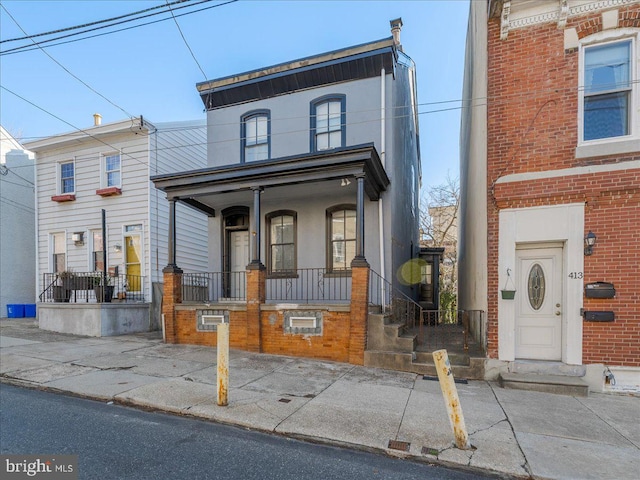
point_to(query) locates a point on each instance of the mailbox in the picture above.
(591, 316)
(599, 290)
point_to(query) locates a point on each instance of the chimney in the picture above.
(396, 26)
(97, 119)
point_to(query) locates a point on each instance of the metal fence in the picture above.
(308, 285)
(91, 287)
(392, 301)
(213, 287)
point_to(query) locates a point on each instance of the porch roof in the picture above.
(298, 169)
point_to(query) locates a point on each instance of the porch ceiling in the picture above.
(196, 187)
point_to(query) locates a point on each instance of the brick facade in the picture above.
(532, 126)
(256, 326)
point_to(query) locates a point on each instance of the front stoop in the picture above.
(560, 384)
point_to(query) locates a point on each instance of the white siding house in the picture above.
(107, 168)
(17, 224)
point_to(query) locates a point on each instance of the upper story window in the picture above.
(608, 95)
(67, 178)
(328, 122)
(281, 228)
(341, 241)
(607, 90)
(256, 136)
(112, 175)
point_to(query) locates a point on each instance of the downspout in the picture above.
(383, 142)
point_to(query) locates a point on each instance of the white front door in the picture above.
(238, 261)
(539, 303)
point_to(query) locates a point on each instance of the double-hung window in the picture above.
(256, 136)
(67, 178)
(341, 241)
(112, 175)
(281, 228)
(328, 122)
(97, 253)
(607, 95)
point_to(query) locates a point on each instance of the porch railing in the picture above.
(91, 287)
(455, 330)
(309, 285)
(394, 302)
(213, 287)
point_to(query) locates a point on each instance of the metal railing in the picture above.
(213, 287)
(452, 330)
(308, 285)
(392, 301)
(91, 287)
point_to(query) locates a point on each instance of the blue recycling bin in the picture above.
(30, 310)
(15, 310)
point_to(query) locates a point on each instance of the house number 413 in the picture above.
(576, 275)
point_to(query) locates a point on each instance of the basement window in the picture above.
(303, 322)
(208, 320)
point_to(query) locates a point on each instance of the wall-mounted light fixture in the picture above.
(78, 238)
(117, 248)
(589, 242)
(344, 182)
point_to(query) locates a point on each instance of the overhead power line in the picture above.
(28, 48)
(185, 40)
(66, 69)
(85, 25)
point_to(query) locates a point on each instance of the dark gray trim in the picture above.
(199, 206)
(268, 218)
(312, 167)
(354, 67)
(329, 234)
(313, 106)
(263, 112)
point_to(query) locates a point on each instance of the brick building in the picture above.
(550, 159)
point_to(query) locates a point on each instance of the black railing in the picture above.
(308, 285)
(392, 301)
(455, 330)
(91, 287)
(212, 287)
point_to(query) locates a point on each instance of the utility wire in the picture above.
(85, 25)
(26, 48)
(185, 41)
(65, 68)
(71, 125)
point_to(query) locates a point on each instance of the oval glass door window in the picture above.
(536, 286)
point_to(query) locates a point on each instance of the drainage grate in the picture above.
(285, 400)
(456, 380)
(430, 451)
(398, 445)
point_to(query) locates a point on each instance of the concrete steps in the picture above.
(560, 384)
(385, 335)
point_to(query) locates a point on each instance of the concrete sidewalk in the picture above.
(517, 433)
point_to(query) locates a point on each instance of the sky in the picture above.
(150, 70)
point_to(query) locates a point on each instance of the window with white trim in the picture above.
(255, 136)
(607, 90)
(608, 96)
(112, 171)
(67, 178)
(97, 251)
(328, 123)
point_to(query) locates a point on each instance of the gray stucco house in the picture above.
(313, 167)
(300, 141)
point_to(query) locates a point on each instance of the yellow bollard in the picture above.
(223, 364)
(451, 400)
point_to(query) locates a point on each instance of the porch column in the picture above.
(172, 235)
(359, 311)
(359, 258)
(255, 244)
